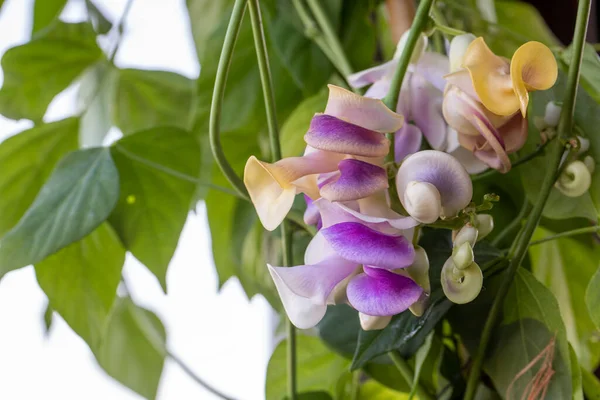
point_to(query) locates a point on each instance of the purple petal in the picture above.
(363, 245)
(379, 292)
(333, 134)
(358, 179)
(371, 75)
(407, 141)
(311, 215)
(441, 170)
(433, 67)
(426, 111)
(379, 89)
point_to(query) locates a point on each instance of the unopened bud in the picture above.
(552, 114)
(418, 50)
(461, 285)
(423, 202)
(463, 256)
(485, 225)
(458, 48)
(584, 144)
(466, 234)
(590, 163)
(575, 179)
(372, 323)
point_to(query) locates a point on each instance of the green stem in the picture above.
(408, 374)
(330, 36)
(448, 30)
(516, 256)
(119, 27)
(574, 232)
(235, 22)
(267, 86)
(391, 99)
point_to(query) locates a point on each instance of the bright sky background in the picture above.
(223, 337)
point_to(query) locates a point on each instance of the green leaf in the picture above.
(372, 390)
(37, 71)
(133, 351)
(552, 265)
(575, 375)
(147, 99)
(78, 196)
(81, 281)
(592, 298)
(294, 128)
(156, 169)
(420, 357)
(27, 160)
(590, 67)
(358, 33)
(205, 17)
(339, 329)
(96, 96)
(318, 369)
(45, 12)
(101, 23)
(531, 319)
(591, 385)
(48, 318)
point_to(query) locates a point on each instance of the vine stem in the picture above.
(519, 250)
(233, 29)
(391, 99)
(574, 232)
(408, 374)
(267, 86)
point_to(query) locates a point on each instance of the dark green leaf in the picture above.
(552, 264)
(591, 385)
(133, 351)
(388, 375)
(358, 33)
(48, 318)
(147, 99)
(313, 396)
(45, 12)
(372, 390)
(96, 96)
(27, 160)
(420, 357)
(37, 71)
(318, 368)
(590, 67)
(78, 196)
(156, 169)
(592, 298)
(339, 329)
(81, 281)
(101, 23)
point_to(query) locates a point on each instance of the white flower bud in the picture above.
(372, 323)
(467, 233)
(458, 48)
(485, 225)
(590, 163)
(584, 144)
(418, 50)
(552, 114)
(575, 180)
(461, 285)
(463, 256)
(423, 202)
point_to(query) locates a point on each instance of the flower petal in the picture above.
(532, 67)
(491, 78)
(433, 67)
(407, 141)
(371, 75)
(358, 179)
(426, 107)
(363, 245)
(333, 134)
(379, 293)
(458, 48)
(311, 215)
(379, 89)
(441, 170)
(363, 111)
(468, 160)
(301, 311)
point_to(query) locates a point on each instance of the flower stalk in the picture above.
(519, 250)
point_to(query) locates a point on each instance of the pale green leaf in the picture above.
(45, 12)
(148, 99)
(576, 375)
(590, 69)
(205, 17)
(372, 390)
(78, 196)
(296, 126)
(156, 169)
(81, 281)
(592, 298)
(37, 71)
(27, 159)
(101, 23)
(318, 368)
(133, 351)
(591, 385)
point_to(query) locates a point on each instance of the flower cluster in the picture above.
(470, 108)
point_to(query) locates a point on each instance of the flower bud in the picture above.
(467, 233)
(552, 114)
(584, 144)
(485, 225)
(422, 201)
(575, 179)
(463, 256)
(590, 163)
(458, 48)
(461, 285)
(372, 323)
(418, 50)
(419, 270)
(419, 306)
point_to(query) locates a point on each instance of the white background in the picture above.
(225, 338)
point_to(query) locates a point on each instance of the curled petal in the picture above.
(458, 48)
(491, 78)
(422, 201)
(442, 171)
(362, 111)
(363, 245)
(358, 179)
(373, 323)
(372, 75)
(461, 285)
(575, 179)
(380, 293)
(426, 106)
(532, 67)
(333, 134)
(407, 141)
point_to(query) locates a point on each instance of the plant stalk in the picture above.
(267, 86)
(565, 127)
(408, 374)
(574, 232)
